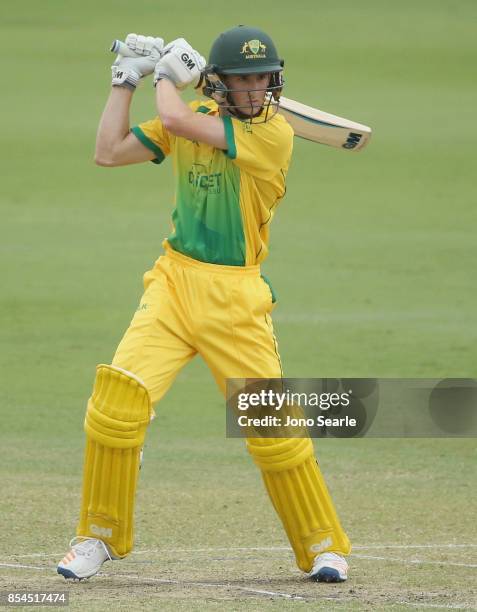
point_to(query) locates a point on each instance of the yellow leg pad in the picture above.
(117, 417)
(300, 496)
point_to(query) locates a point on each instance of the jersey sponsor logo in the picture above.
(352, 140)
(200, 178)
(254, 49)
(105, 532)
(320, 546)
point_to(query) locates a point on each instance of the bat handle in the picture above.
(119, 47)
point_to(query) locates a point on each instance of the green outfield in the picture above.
(373, 258)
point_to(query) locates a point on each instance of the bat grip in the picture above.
(119, 47)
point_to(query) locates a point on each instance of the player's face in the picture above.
(251, 91)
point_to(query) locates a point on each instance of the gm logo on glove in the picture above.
(188, 61)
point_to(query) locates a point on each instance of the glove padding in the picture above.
(181, 64)
(143, 45)
(178, 42)
(127, 71)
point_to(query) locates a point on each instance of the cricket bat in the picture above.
(307, 122)
(316, 125)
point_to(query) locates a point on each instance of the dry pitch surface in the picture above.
(396, 577)
(207, 537)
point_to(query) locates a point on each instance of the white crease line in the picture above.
(168, 550)
(255, 548)
(416, 561)
(440, 607)
(404, 546)
(215, 549)
(33, 555)
(203, 584)
(18, 565)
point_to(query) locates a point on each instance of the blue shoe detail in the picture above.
(67, 573)
(328, 574)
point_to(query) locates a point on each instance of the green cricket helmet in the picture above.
(242, 50)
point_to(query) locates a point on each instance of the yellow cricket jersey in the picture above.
(225, 200)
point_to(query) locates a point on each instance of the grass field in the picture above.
(373, 260)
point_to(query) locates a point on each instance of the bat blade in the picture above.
(316, 125)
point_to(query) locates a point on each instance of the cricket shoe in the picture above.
(84, 559)
(329, 567)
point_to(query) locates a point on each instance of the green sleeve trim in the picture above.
(230, 138)
(274, 295)
(203, 109)
(147, 142)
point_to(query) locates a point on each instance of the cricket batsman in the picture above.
(205, 295)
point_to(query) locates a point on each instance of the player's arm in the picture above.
(181, 66)
(115, 144)
(180, 120)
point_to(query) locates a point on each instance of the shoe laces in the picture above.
(87, 546)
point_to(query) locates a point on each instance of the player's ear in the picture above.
(213, 86)
(276, 84)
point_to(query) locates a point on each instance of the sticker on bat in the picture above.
(352, 140)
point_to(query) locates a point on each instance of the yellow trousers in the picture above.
(224, 314)
(190, 307)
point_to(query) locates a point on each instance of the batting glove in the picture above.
(145, 53)
(178, 42)
(181, 64)
(143, 45)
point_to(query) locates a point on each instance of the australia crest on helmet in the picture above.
(254, 49)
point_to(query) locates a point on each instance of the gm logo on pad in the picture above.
(105, 532)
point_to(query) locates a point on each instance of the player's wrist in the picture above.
(125, 76)
(163, 76)
(125, 85)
